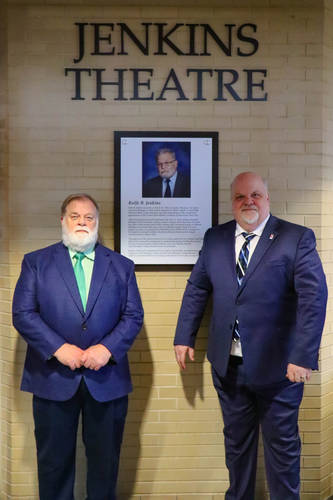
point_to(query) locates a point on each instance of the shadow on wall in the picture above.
(142, 370)
(193, 377)
(145, 422)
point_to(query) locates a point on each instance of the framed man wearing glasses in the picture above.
(170, 182)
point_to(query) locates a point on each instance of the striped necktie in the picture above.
(243, 257)
(241, 266)
(80, 277)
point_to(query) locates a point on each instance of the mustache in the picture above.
(81, 228)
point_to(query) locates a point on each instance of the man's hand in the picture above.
(180, 352)
(95, 357)
(298, 373)
(69, 355)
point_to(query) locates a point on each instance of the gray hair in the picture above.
(164, 150)
(77, 196)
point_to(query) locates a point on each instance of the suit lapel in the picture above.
(178, 186)
(266, 240)
(101, 266)
(224, 264)
(65, 268)
(231, 258)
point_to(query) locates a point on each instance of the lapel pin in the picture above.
(271, 236)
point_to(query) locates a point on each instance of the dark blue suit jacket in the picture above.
(47, 312)
(153, 187)
(280, 305)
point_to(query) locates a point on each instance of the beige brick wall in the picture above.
(173, 445)
(4, 262)
(326, 223)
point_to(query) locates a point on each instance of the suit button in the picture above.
(84, 326)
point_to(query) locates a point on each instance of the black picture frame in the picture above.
(140, 211)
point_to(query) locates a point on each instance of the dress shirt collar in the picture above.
(257, 231)
(90, 254)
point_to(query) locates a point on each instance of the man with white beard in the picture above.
(78, 307)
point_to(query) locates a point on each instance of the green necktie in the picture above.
(80, 278)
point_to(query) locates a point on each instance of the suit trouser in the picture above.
(56, 424)
(275, 409)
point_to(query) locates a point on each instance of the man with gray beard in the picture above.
(78, 307)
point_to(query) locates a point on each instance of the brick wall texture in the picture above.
(52, 145)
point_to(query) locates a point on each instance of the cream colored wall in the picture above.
(326, 221)
(173, 445)
(4, 263)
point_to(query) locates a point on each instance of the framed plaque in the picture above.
(166, 195)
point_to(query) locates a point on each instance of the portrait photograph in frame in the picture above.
(166, 196)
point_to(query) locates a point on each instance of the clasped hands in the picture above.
(94, 358)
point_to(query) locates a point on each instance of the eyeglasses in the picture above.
(86, 218)
(165, 163)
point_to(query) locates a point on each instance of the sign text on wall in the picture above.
(160, 39)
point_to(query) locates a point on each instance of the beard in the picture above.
(79, 242)
(250, 216)
(167, 174)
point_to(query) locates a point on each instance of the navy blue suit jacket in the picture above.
(47, 312)
(153, 187)
(280, 305)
